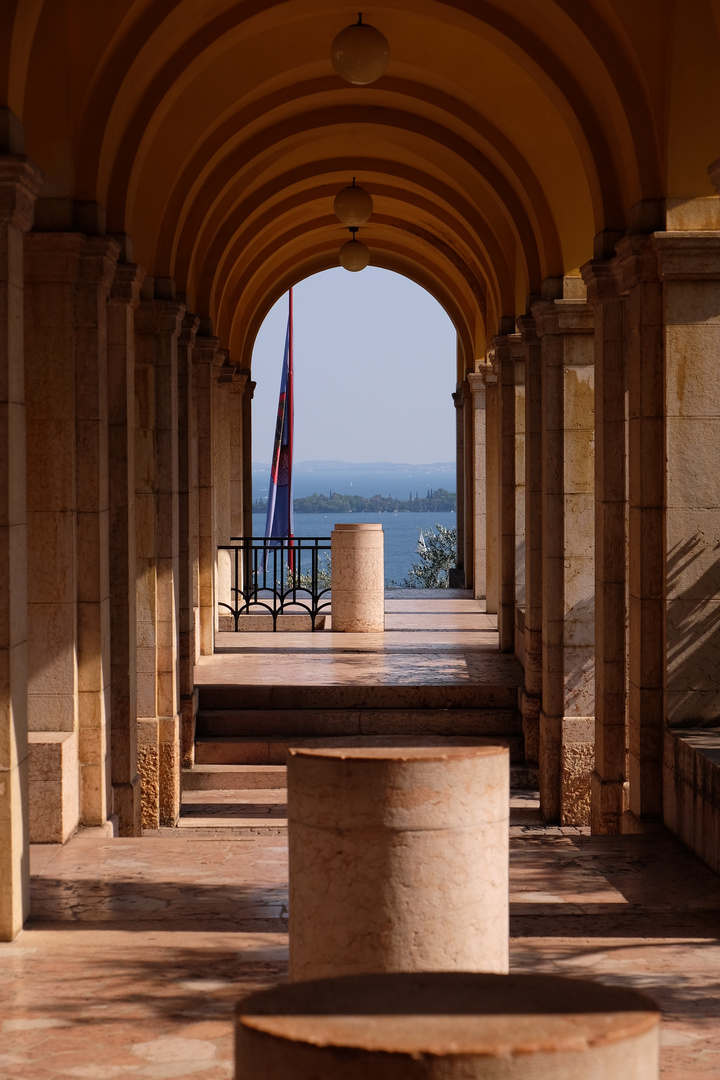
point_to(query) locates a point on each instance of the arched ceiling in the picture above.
(504, 137)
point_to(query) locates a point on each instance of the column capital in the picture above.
(98, 261)
(688, 255)
(477, 380)
(126, 284)
(20, 184)
(238, 380)
(188, 329)
(603, 280)
(563, 317)
(206, 347)
(222, 368)
(636, 260)
(502, 344)
(458, 398)
(527, 330)
(159, 316)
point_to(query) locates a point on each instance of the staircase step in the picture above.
(279, 723)
(233, 777)
(258, 779)
(248, 752)
(499, 694)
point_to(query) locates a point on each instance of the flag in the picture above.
(279, 520)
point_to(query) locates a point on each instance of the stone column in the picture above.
(19, 185)
(492, 545)
(519, 366)
(504, 360)
(457, 579)
(204, 358)
(157, 325)
(448, 1026)
(531, 693)
(398, 859)
(567, 718)
(468, 549)
(476, 383)
(689, 265)
(188, 535)
(52, 270)
(602, 280)
(124, 299)
(643, 333)
(236, 410)
(222, 392)
(97, 268)
(247, 526)
(358, 579)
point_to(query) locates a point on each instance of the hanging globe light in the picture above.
(353, 205)
(360, 53)
(354, 255)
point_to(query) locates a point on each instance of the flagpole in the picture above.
(291, 414)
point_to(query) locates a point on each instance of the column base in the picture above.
(606, 809)
(188, 714)
(127, 806)
(148, 752)
(529, 705)
(54, 786)
(567, 760)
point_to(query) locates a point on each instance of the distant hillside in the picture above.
(392, 479)
(334, 503)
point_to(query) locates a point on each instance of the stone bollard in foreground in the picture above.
(398, 859)
(358, 579)
(447, 1026)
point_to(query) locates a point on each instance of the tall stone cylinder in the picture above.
(398, 859)
(448, 1026)
(358, 578)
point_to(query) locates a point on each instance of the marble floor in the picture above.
(139, 948)
(431, 637)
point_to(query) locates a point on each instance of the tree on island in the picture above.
(439, 501)
(438, 556)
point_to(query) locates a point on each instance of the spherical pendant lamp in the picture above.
(353, 205)
(360, 53)
(354, 255)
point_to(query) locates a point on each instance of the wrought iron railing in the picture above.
(278, 579)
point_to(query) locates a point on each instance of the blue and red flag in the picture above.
(279, 521)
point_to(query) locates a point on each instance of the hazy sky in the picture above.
(374, 363)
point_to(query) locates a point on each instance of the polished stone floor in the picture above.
(431, 637)
(139, 948)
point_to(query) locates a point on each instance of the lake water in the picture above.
(401, 532)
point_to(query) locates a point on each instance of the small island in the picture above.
(334, 503)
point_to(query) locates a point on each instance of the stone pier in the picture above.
(448, 1026)
(358, 579)
(398, 859)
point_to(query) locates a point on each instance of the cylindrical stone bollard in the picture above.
(398, 859)
(358, 579)
(447, 1026)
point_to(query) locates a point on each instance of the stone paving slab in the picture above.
(140, 948)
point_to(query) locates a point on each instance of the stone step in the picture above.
(257, 779)
(299, 723)
(231, 750)
(233, 777)
(491, 695)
